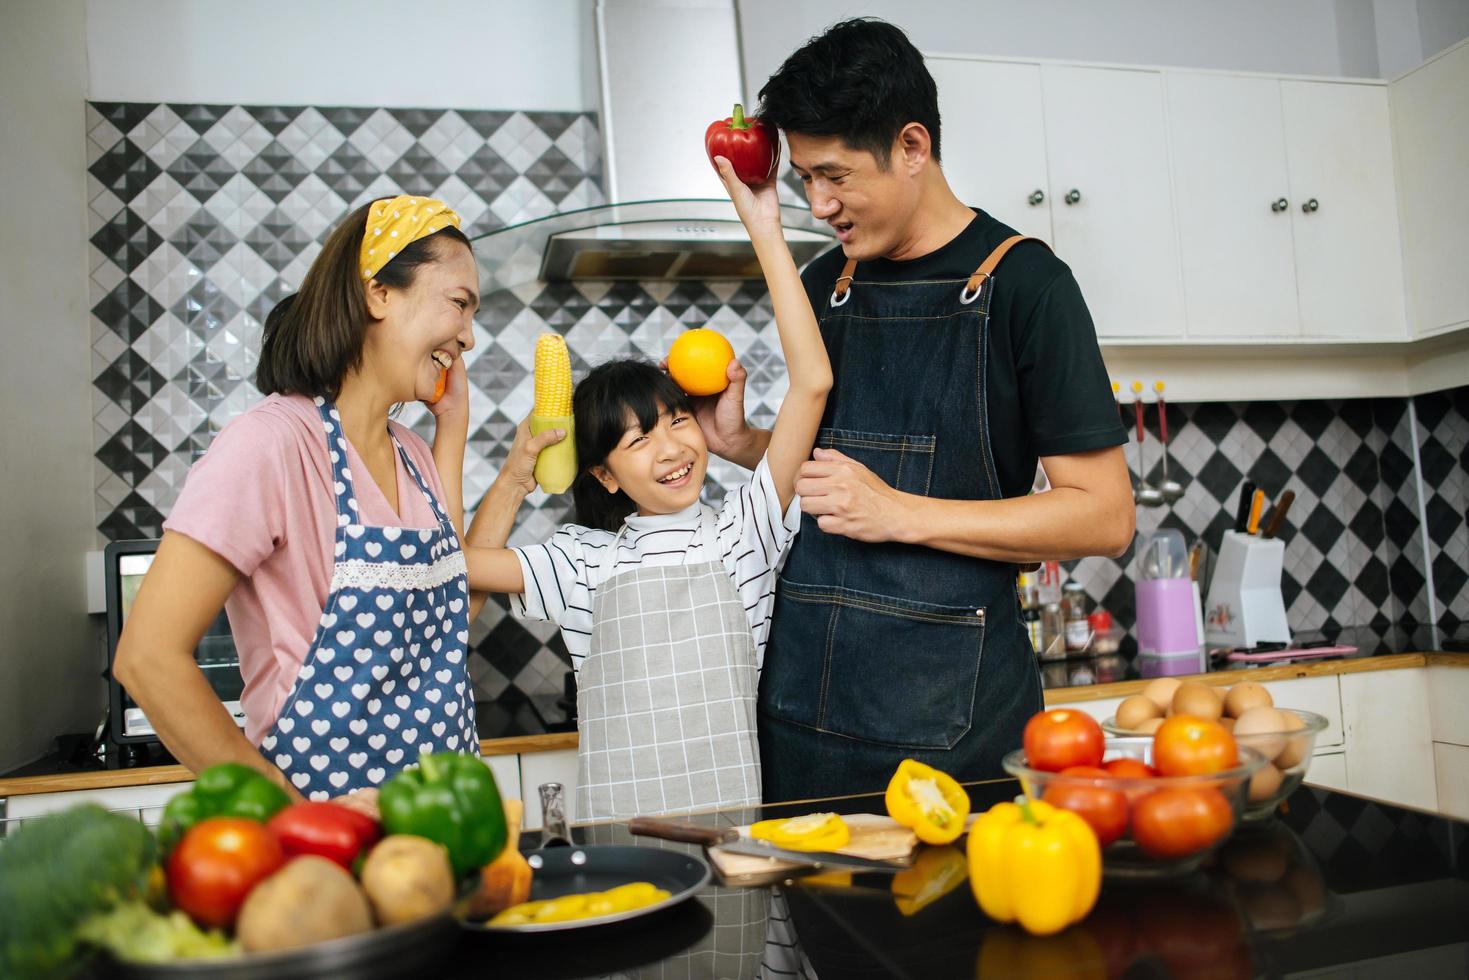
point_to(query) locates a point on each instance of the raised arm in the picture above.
(807, 365)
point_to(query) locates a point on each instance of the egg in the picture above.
(1198, 700)
(1150, 726)
(1260, 728)
(1227, 723)
(1244, 696)
(1295, 750)
(1160, 691)
(1265, 784)
(1135, 710)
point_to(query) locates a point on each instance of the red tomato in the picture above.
(337, 833)
(1189, 746)
(1128, 768)
(215, 865)
(1104, 809)
(1060, 738)
(1179, 821)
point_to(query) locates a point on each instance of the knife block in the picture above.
(1245, 606)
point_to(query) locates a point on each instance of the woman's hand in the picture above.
(453, 407)
(520, 466)
(758, 206)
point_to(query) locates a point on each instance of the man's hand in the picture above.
(721, 418)
(847, 498)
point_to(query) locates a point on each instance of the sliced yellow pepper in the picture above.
(1034, 864)
(623, 898)
(927, 800)
(813, 832)
(936, 872)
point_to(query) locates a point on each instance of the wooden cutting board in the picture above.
(880, 838)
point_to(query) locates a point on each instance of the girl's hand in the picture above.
(454, 405)
(520, 466)
(758, 206)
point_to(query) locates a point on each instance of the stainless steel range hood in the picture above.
(666, 67)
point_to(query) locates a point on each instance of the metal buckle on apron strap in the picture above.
(841, 294)
(972, 288)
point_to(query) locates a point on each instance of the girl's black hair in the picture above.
(862, 80)
(600, 405)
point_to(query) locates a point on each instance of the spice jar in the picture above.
(1075, 607)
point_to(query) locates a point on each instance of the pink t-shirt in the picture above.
(262, 498)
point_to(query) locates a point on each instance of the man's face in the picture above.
(871, 209)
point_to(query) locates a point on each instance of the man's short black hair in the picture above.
(862, 80)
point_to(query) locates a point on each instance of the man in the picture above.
(960, 359)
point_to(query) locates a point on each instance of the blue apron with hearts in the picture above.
(386, 678)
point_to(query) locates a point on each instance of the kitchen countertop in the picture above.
(507, 728)
(1336, 884)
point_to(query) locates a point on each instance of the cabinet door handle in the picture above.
(1279, 205)
(1311, 205)
(1073, 196)
(1036, 197)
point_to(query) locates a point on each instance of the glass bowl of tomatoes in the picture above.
(1148, 825)
(1286, 737)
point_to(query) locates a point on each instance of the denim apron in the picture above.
(386, 677)
(880, 652)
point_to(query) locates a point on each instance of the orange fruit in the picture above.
(698, 360)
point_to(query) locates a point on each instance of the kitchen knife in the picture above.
(1257, 505)
(1242, 513)
(729, 839)
(1278, 515)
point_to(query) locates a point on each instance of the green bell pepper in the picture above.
(228, 789)
(452, 800)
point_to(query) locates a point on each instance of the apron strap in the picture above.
(844, 283)
(987, 267)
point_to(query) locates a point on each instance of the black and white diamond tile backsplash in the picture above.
(202, 217)
(1443, 462)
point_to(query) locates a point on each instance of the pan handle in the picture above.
(553, 810)
(676, 830)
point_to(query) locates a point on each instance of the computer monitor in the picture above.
(125, 564)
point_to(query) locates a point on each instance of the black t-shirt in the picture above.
(1049, 394)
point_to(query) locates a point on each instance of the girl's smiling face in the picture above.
(422, 329)
(662, 469)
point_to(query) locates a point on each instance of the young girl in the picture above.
(664, 604)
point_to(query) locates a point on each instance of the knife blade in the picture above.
(729, 839)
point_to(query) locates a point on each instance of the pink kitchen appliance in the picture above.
(1169, 614)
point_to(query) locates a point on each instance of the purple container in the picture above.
(1166, 622)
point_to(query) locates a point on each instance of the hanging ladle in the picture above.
(1170, 489)
(1146, 494)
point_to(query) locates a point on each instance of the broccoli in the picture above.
(58, 870)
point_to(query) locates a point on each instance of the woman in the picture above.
(327, 532)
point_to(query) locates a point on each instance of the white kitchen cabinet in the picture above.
(1234, 220)
(1451, 778)
(1112, 200)
(145, 801)
(536, 768)
(1344, 212)
(1100, 710)
(1430, 115)
(1388, 736)
(507, 774)
(1328, 770)
(993, 139)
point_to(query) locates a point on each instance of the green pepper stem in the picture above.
(429, 767)
(737, 118)
(1026, 814)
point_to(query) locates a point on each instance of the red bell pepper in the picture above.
(327, 830)
(750, 145)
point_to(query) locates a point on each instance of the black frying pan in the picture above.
(572, 870)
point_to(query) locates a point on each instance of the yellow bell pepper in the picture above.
(936, 872)
(812, 832)
(1034, 864)
(931, 802)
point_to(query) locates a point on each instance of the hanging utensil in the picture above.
(1147, 495)
(1171, 489)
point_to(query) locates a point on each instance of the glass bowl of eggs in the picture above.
(1285, 737)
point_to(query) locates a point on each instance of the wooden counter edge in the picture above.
(160, 775)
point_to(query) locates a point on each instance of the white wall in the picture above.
(474, 54)
(48, 658)
(1303, 37)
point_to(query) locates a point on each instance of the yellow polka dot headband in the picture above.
(394, 222)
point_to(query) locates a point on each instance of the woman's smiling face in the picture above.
(422, 329)
(662, 469)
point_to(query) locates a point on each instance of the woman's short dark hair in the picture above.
(314, 337)
(862, 80)
(601, 404)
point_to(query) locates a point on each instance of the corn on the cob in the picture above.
(556, 465)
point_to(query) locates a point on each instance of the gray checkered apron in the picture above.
(666, 696)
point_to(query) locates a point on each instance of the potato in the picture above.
(1244, 696)
(1198, 700)
(1294, 752)
(1136, 710)
(1160, 691)
(308, 901)
(407, 878)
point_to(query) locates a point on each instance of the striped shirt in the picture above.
(753, 537)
